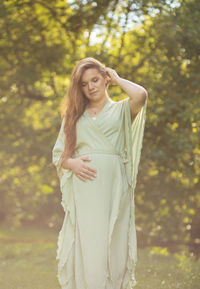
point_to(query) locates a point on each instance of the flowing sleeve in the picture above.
(66, 235)
(65, 175)
(58, 150)
(134, 132)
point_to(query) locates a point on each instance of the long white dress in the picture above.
(97, 246)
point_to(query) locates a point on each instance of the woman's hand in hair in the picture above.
(112, 77)
(81, 169)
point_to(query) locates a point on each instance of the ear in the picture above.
(107, 85)
(107, 80)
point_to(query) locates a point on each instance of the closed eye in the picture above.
(94, 80)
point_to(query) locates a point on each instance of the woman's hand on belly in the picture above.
(81, 170)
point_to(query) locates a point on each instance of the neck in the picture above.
(98, 104)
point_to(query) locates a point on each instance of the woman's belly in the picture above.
(110, 171)
(110, 183)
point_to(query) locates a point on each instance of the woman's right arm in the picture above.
(67, 164)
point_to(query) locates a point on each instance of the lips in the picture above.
(91, 93)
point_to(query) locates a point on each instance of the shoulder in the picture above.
(124, 104)
(121, 106)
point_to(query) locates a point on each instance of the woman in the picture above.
(97, 154)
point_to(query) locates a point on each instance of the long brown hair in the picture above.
(76, 102)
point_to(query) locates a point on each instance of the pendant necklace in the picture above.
(95, 112)
(94, 117)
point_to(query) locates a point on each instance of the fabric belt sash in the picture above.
(122, 154)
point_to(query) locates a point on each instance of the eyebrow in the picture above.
(91, 78)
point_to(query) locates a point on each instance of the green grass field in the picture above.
(27, 261)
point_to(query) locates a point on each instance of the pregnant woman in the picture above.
(97, 154)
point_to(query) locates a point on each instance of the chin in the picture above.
(94, 98)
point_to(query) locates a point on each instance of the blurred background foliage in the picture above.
(153, 43)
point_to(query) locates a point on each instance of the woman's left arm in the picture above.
(138, 94)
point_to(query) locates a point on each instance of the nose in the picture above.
(90, 85)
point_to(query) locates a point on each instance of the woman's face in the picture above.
(93, 85)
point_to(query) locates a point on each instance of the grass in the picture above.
(27, 261)
(157, 269)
